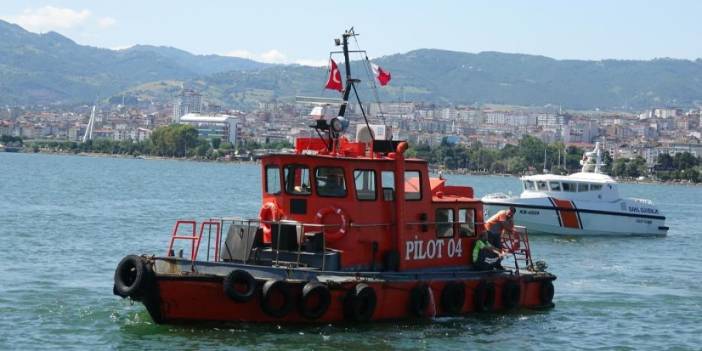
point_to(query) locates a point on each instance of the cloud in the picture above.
(312, 62)
(106, 22)
(49, 18)
(274, 56)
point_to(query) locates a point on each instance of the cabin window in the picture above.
(541, 185)
(297, 180)
(330, 181)
(595, 187)
(444, 222)
(466, 222)
(569, 187)
(272, 180)
(555, 186)
(413, 185)
(364, 179)
(388, 183)
(583, 187)
(529, 185)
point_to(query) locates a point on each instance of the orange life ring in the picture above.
(269, 212)
(331, 234)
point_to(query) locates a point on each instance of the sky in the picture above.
(303, 31)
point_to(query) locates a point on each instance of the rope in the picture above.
(371, 80)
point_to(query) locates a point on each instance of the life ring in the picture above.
(359, 303)
(315, 300)
(276, 300)
(269, 212)
(239, 285)
(419, 300)
(511, 294)
(331, 234)
(130, 277)
(484, 296)
(453, 297)
(546, 292)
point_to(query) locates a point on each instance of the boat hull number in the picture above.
(431, 249)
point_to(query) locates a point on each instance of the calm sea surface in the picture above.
(66, 221)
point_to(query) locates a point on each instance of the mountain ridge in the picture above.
(50, 68)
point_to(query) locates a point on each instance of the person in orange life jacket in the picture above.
(485, 256)
(501, 222)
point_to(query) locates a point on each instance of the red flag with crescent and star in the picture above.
(334, 81)
(382, 75)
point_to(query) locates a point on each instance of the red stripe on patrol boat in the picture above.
(567, 213)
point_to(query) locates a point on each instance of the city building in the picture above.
(223, 127)
(189, 101)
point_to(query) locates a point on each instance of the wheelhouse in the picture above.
(356, 197)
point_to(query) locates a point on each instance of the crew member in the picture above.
(501, 222)
(485, 256)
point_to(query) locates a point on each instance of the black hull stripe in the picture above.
(579, 210)
(577, 214)
(558, 213)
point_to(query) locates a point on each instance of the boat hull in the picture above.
(176, 297)
(546, 215)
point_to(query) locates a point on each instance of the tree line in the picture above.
(168, 141)
(529, 154)
(526, 157)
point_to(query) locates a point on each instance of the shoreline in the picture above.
(432, 168)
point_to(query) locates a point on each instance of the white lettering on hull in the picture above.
(433, 249)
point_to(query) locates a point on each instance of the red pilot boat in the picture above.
(347, 231)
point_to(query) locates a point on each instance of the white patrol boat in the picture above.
(581, 204)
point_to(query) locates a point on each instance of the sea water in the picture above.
(66, 221)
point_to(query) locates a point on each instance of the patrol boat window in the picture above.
(272, 180)
(466, 222)
(330, 181)
(583, 187)
(529, 185)
(364, 179)
(569, 187)
(595, 187)
(297, 180)
(555, 186)
(444, 222)
(413, 185)
(541, 185)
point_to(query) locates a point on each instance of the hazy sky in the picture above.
(302, 31)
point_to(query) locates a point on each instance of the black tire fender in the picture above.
(511, 294)
(130, 277)
(359, 303)
(269, 290)
(546, 292)
(309, 291)
(484, 296)
(453, 297)
(237, 278)
(419, 299)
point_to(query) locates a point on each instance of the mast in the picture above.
(339, 124)
(347, 68)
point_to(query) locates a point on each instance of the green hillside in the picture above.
(49, 68)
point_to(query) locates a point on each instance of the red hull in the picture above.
(184, 299)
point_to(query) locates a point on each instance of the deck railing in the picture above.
(515, 243)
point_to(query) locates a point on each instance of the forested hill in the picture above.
(50, 68)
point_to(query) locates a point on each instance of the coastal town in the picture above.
(245, 134)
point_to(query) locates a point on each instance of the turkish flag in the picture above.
(334, 81)
(383, 76)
